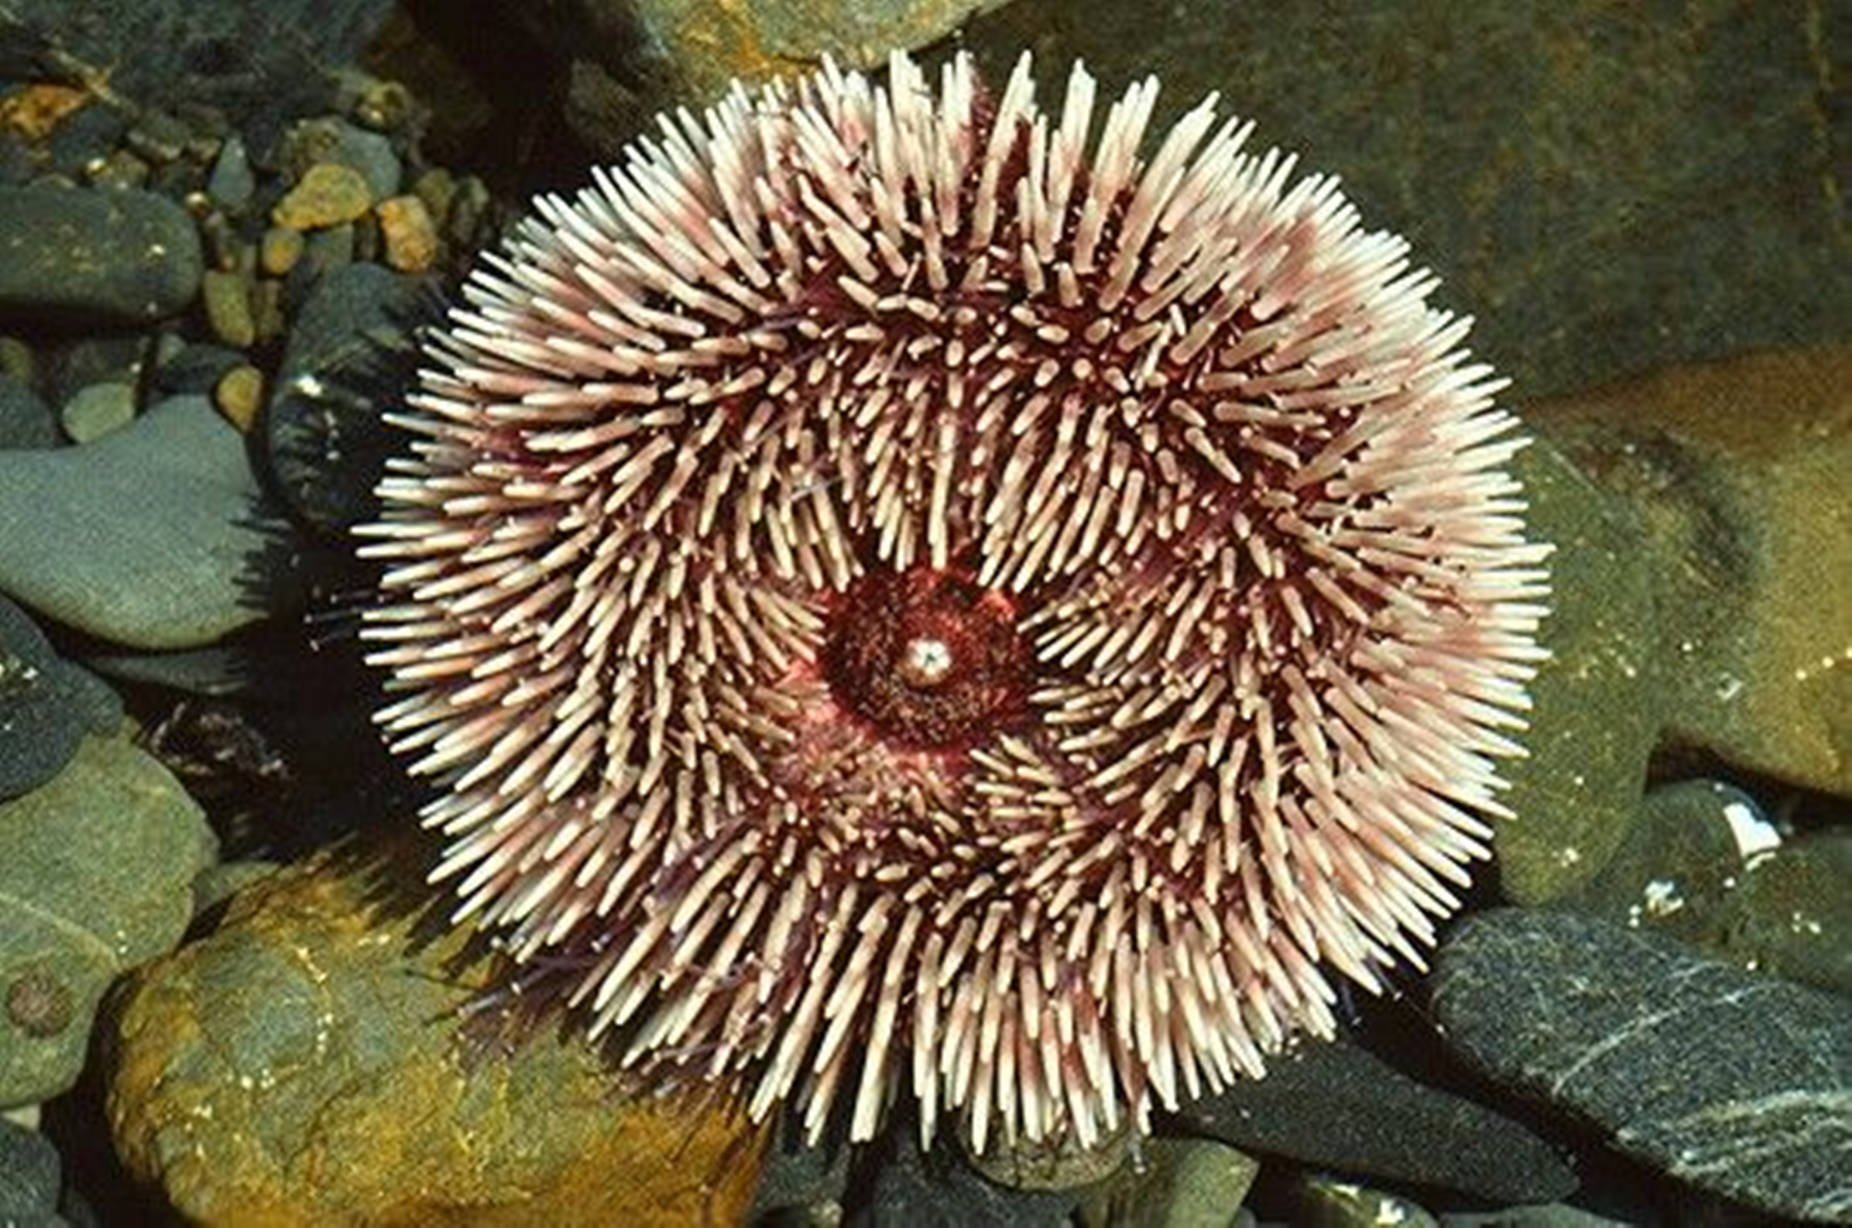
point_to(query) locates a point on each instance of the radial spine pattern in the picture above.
(903, 595)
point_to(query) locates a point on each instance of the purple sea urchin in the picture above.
(901, 602)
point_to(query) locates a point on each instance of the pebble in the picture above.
(195, 367)
(228, 308)
(906, 1187)
(410, 239)
(1059, 1164)
(25, 420)
(320, 1019)
(1335, 1105)
(148, 537)
(1735, 1082)
(231, 184)
(330, 139)
(1791, 911)
(1320, 1200)
(328, 194)
(239, 395)
(95, 410)
(280, 249)
(98, 873)
(47, 705)
(92, 257)
(30, 1175)
(1180, 1183)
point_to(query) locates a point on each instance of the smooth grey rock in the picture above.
(97, 877)
(231, 183)
(29, 1177)
(95, 256)
(152, 537)
(1334, 1105)
(1180, 1183)
(1791, 912)
(96, 410)
(1738, 1083)
(25, 420)
(46, 705)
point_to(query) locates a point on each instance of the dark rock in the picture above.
(89, 256)
(1676, 870)
(1565, 168)
(97, 877)
(29, 1177)
(332, 139)
(1791, 912)
(1594, 718)
(909, 1188)
(25, 420)
(261, 62)
(155, 536)
(1735, 1082)
(66, 367)
(46, 705)
(1334, 1105)
(349, 353)
(195, 369)
(799, 1181)
(231, 183)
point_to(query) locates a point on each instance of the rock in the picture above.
(328, 194)
(96, 410)
(29, 1178)
(332, 139)
(150, 537)
(92, 257)
(302, 1064)
(231, 183)
(1791, 912)
(25, 420)
(410, 238)
(1738, 1083)
(96, 878)
(908, 1188)
(260, 62)
(350, 347)
(1593, 719)
(1181, 1183)
(1586, 250)
(1537, 1215)
(1675, 872)
(632, 58)
(46, 705)
(227, 297)
(800, 1183)
(280, 249)
(1056, 1165)
(1739, 471)
(195, 368)
(1334, 1105)
(1319, 1200)
(239, 395)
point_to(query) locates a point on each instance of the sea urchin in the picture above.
(891, 599)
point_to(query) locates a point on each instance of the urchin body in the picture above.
(903, 595)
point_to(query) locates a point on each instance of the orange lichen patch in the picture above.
(36, 111)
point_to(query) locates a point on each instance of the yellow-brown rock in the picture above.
(304, 1064)
(1741, 473)
(328, 194)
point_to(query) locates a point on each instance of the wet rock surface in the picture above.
(1732, 1081)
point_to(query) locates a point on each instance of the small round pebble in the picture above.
(279, 251)
(411, 239)
(96, 410)
(231, 183)
(239, 394)
(228, 308)
(327, 195)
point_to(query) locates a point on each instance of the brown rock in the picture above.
(238, 394)
(410, 238)
(1739, 473)
(302, 1065)
(328, 194)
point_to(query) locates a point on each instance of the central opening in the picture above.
(925, 656)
